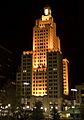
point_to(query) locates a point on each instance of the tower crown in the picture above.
(47, 13)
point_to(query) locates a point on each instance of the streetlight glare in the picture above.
(73, 89)
(25, 83)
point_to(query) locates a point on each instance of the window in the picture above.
(55, 96)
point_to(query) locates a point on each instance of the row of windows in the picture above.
(41, 34)
(41, 31)
(27, 89)
(41, 44)
(39, 89)
(40, 93)
(40, 65)
(27, 67)
(52, 76)
(39, 60)
(39, 77)
(53, 80)
(52, 65)
(26, 78)
(26, 62)
(40, 55)
(52, 72)
(52, 88)
(52, 58)
(42, 37)
(24, 59)
(55, 72)
(40, 81)
(39, 84)
(41, 47)
(41, 40)
(53, 92)
(27, 71)
(40, 73)
(51, 96)
(26, 74)
(52, 54)
(41, 50)
(51, 84)
(26, 56)
(26, 93)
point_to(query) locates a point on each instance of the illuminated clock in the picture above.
(47, 11)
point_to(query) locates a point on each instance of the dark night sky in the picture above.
(17, 20)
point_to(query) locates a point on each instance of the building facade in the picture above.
(7, 75)
(65, 77)
(24, 78)
(41, 73)
(80, 94)
(7, 66)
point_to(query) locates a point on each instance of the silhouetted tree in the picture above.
(37, 113)
(82, 112)
(54, 113)
(22, 114)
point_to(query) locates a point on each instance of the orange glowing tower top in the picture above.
(44, 40)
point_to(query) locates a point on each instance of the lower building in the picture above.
(80, 94)
(48, 80)
(7, 66)
(24, 79)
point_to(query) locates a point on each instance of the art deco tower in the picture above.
(44, 40)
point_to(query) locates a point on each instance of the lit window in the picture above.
(24, 71)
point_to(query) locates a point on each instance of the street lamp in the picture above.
(25, 84)
(74, 91)
(74, 101)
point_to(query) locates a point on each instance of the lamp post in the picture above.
(74, 98)
(74, 95)
(25, 84)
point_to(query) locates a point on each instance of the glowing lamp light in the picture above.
(73, 89)
(6, 106)
(27, 107)
(51, 107)
(25, 83)
(46, 11)
(41, 107)
(73, 106)
(9, 105)
(56, 107)
(45, 109)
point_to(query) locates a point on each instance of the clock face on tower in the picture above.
(47, 11)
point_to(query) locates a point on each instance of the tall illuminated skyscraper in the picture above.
(44, 40)
(43, 73)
